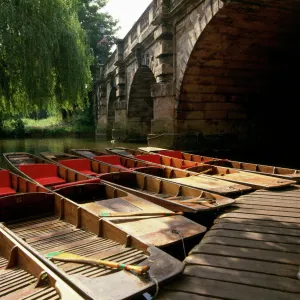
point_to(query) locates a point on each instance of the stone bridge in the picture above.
(205, 71)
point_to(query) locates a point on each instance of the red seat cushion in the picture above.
(59, 186)
(78, 164)
(45, 174)
(151, 158)
(49, 181)
(87, 172)
(175, 154)
(6, 191)
(109, 159)
(5, 178)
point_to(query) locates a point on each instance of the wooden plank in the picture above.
(244, 277)
(269, 213)
(263, 255)
(252, 244)
(265, 207)
(277, 204)
(261, 217)
(216, 288)
(258, 222)
(244, 264)
(253, 228)
(170, 295)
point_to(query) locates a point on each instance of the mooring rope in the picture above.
(182, 240)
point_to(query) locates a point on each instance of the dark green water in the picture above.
(35, 146)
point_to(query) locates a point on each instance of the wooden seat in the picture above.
(5, 184)
(81, 165)
(45, 174)
(175, 154)
(151, 158)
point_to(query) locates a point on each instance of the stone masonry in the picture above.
(204, 71)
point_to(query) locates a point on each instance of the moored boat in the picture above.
(286, 173)
(131, 213)
(194, 180)
(23, 276)
(90, 254)
(256, 181)
(167, 194)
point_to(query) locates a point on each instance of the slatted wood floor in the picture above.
(252, 252)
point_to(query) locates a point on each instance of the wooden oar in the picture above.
(120, 214)
(74, 258)
(204, 201)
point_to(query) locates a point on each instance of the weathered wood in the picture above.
(218, 288)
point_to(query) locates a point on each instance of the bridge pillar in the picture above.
(163, 92)
(119, 126)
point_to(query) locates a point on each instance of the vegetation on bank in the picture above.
(48, 127)
(50, 52)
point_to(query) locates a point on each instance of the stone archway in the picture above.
(240, 78)
(140, 105)
(111, 111)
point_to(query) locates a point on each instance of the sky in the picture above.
(127, 12)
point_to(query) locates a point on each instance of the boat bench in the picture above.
(170, 153)
(5, 184)
(81, 165)
(110, 159)
(60, 186)
(44, 174)
(154, 158)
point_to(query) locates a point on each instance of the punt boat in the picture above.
(23, 276)
(157, 190)
(151, 223)
(255, 180)
(96, 258)
(286, 173)
(183, 177)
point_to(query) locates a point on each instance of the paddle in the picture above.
(204, 201)
(70, 257)
(116, 214)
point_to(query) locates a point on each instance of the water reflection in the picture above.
(37, 145)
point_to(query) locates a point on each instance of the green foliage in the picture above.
(44, 55)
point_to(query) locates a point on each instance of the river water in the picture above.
(274, 156)
(37, 145)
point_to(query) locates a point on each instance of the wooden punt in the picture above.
(256, 181)
(153, 224)
(23, 276)
(186, 178)
(286, 173)
(165, 193)
(62, 227)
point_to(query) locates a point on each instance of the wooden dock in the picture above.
(252, 252)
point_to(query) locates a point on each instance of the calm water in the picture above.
(288, 157)
(35, 146)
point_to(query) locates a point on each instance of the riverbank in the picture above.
(49, 127)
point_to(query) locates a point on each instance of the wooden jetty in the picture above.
(252, 252)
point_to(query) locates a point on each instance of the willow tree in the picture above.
(44, 55)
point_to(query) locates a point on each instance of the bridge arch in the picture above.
(111, 110)
(237, 75)
(140, 104)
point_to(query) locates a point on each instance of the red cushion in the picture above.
(4, 178)
(109, 159)
(6, 191)
(151, 158)
(175, 154)
(59, 186)
(77, 164)
(39, 170)
(87, 172)
(49, 181)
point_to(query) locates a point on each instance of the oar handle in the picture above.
(138, 269)
(112, 214)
